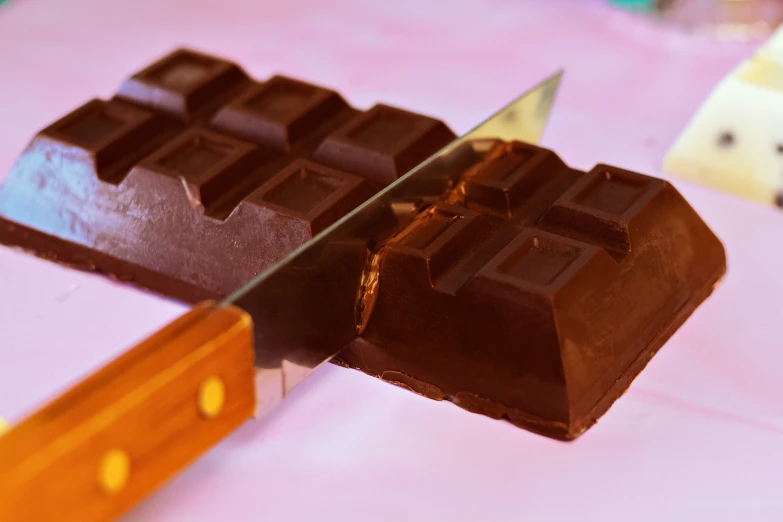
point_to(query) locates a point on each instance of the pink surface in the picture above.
(699, 436)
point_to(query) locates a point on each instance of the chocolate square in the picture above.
(100, 132)
(209, 164)
(184, 83)
(312, 193)
(511, 178)
(600, 205)
(384, 143)
(280, 112)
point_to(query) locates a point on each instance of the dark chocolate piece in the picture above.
(194, 179)
(534, 291)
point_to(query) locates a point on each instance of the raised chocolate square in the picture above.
(539, 259)
(384, 142)
(510, 177)
(280, 112)
(99, 133)
(93, 126)
(312, 193)
(196, 154)
(385, 129)
(184, 83)
(208, 163)
(438, 239)
(601, 206)
(183, 72)
(304, 189)
(613, 193)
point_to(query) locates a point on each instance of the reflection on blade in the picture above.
(309, 306)
(524, 119)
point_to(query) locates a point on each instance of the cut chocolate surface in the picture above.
(194, 178)
(529, 291)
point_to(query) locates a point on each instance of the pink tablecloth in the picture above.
(699, 436)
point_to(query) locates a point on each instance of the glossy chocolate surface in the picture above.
(194, 178)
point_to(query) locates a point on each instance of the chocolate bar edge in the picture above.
(554, 429)
(79, 257)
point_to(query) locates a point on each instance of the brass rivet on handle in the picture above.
(211, 396)
(114, 471)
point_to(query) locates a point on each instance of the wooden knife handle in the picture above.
(112, 439)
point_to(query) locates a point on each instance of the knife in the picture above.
(111, 440)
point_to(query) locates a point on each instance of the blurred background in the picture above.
(724, 19)
(699, 434)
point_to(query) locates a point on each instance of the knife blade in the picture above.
(304, 308)
(108, 442)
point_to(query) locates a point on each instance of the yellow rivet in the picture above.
(115, 470)
(211, 396)
(4, 426)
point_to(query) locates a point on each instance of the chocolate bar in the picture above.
(194, 178)
(529, 291)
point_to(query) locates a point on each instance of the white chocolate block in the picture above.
(775, 43)
(734, 143)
